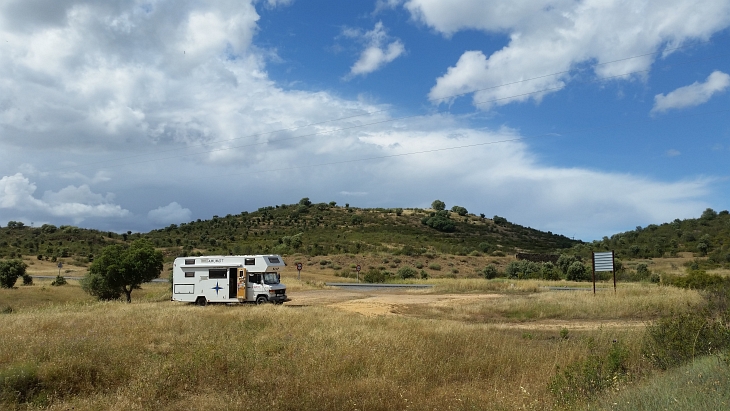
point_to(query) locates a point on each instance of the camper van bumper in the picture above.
(278, 298)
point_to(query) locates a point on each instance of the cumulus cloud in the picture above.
(172, 213)
(379, 50)
(16, 192)
(692, 95)
(168, 102)
(557, 36)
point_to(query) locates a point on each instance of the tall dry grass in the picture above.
(164, 355)
(531, 300)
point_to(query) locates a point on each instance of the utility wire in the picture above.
(487, 143)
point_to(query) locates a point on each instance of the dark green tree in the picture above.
(438, 205)
(10, 271)
(121, 269)
(459, 210)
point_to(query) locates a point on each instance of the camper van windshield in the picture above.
(271, 278)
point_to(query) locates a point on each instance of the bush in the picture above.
(27, 279)
(407, 272)
(59, 281)
(490, 272)
(678, 338)
(374, 275)
(591, 376)
(435, 267)
(578, 272)
(696, 280)
(10, 271)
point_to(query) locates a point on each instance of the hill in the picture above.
(706, 236)
(306, 228)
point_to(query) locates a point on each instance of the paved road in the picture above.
(156, 280)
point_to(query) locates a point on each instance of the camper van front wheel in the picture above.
(262, 299)
(201, 301)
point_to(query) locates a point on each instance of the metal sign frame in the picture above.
(604, 261)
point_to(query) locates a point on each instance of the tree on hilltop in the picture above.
(438, 205)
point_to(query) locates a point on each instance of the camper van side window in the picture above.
(254, 278)
(189, 274)
(217, 273)
(190, 262)
(249, 261)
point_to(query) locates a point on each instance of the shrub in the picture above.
(490, 272)
(374, 276)
(678, 338)
(407, 272)
(27, 279)
(578, 272)
(591, 376)
(59, 281)
(435, 267)
(424, 275)
(696, 280)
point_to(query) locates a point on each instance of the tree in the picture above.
(578, 272)
(305, 202)
(121, 269)
(438, 205)
(10, 271)
(459, 210)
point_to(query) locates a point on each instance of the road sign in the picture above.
(299, 266)
(299, 271)
(357, 268)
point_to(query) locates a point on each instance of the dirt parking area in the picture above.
(391, 303)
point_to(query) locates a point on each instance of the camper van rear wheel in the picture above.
(201, 301)
(262, 299)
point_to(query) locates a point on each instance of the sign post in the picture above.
(358, 272)
(299, 269)
(603, 262)
(60, 265)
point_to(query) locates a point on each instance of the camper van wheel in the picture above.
(201, 301)
(262, 299)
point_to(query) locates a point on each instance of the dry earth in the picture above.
(375, 303)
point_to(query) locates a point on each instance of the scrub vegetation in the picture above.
(512, 340)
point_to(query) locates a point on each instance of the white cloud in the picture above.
(673, 153)
(555, 36)
(379, 50)
(79, 203)
(168, 102)
(169, 214)
(692, 95)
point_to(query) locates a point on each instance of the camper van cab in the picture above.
(228, 279)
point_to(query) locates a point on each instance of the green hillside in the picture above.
(707, 236)
(306, 228)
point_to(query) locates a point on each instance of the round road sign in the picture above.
(299, 266)
(357, 268)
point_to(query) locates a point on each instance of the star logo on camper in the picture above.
(217, 288)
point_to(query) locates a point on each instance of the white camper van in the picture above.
(228, 279)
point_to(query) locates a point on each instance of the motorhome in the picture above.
(228, 279)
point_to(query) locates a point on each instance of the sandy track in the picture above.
(376, 303)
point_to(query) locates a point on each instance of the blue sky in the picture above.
(584, 118)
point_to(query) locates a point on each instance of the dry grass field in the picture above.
(465, 344)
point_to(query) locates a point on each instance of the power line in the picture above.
(435, 150)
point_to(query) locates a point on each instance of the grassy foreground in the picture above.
(154, 354)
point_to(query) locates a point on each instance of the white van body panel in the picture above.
(221, 279)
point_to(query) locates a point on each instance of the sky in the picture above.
(581, 117)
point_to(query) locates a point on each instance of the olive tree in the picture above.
(438, 205)
(120, 269)
(10, 271)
